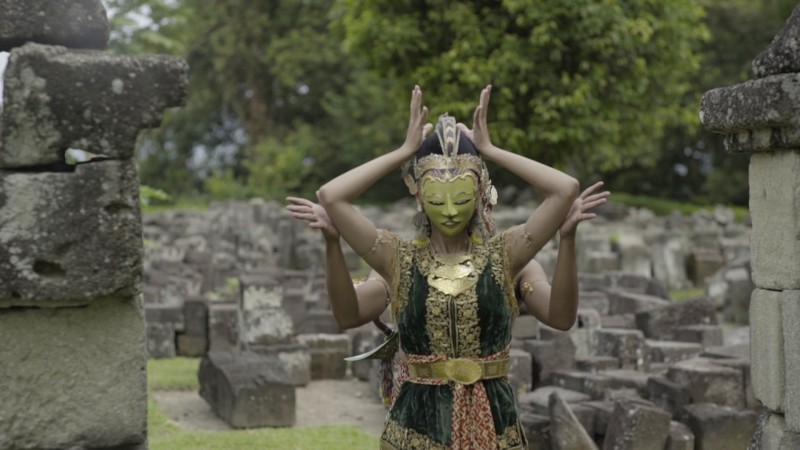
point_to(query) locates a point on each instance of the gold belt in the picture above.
(460, 370)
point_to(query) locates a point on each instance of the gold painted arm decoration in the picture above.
(527, 287)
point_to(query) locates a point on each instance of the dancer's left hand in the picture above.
(580, 207)
(479, 134)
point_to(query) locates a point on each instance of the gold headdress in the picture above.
(449, 165)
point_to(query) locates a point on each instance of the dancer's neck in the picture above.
(448, 245)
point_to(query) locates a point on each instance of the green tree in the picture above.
(587, 84)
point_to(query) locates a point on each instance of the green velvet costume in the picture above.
(475, 323)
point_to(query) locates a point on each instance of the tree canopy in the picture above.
(286, 94)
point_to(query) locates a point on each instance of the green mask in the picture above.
(449, 204)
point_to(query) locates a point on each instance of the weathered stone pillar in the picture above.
(73, 358)
(761, 117)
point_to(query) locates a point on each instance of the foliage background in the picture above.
(287, 94)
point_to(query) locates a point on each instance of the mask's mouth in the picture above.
(451, 223)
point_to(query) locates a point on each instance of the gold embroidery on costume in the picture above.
(501, 270)
(452, 312)
(402, 262)
(395, 436)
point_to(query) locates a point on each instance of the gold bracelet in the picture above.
(378, 239)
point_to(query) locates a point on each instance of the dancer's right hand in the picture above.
(417, 126)
(314, 214)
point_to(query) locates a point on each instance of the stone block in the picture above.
(635, 426)
(602, 413)
(743, 366)
(73, 376)
(702, 263)
(773, 434)
(626, 345)
(296, 359)
(161, 340)
(667, 395)
(593, 281)
(717, 427)
(660, 323)
(781, 55)
(791, 351)
(624, 321)
(70, 236)
(548, 356)
(539, 399)
(625, 281)
(262, 320)
(634, 255)
(672, 351)
(755, 116)
(596, 363)
(567, 432)
(602, 261)
(537, 430)
(595, 300)
(223, 326)
(191, 346)
(525, 327)
(327, 354)
(247, 390)
(767, 348)
(363, 339)
(519, 373)
(621, 302)
(319, 320)
(631, 379)
(195, 317)
(680, 437)
(775, 211)
(708, 382)
(704, 335)
(55, 99)
(594, 385)
(77, 23)
(668, 259)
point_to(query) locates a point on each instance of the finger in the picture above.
(485, 96)
(464, 130)
(305, 216)
(316, 225)
(298, 209)
(591, 189)
(597, 196)
(427, 129)
(589, 205)
(587, 216)
(476, 118)
(424, 116)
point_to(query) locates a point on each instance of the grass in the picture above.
(663, 207)
(181, 374)
(679, 296)
(173, 374)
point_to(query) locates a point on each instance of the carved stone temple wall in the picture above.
(73, 353)
(761, 117)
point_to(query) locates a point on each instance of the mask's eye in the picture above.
(462, 202)
(435, 203)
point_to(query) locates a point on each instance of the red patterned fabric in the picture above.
(472, 424)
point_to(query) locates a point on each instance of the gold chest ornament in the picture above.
(453, 274)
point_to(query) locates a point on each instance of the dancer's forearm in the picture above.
(563, 305)
(341, 293)
(349, 186)
(551, 182)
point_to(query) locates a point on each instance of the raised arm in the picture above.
(352, 306)
(338, 194)
(559, 190)
(557, 306)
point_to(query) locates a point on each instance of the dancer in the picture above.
(451, 288)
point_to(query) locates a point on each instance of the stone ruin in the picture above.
(760, 117)
(72, 367)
